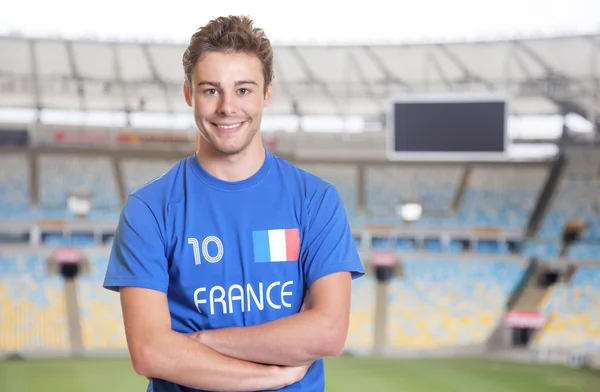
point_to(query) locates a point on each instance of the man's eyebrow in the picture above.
(208, 83)
(246, 82)
(218, 85)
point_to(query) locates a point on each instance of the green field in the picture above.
(344, 374)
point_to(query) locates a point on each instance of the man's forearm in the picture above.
(184, 361)
(290, 341)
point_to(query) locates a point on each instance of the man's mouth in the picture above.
(229, 126)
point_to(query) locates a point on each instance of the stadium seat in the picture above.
(100, 310)
(583, 251)
(32, 304)
(405, 244)
(592, 231)
(362, 314)
(343, 177)
(575, 198)
(62, 175)
(542, 250)
(14, 185)
(501, 196)
(491, 247)
(445, 303)
(573, 311)
(389, 186)
(138, 172)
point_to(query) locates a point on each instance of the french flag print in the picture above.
(276, 245)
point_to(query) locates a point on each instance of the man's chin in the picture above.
(229, 149)
(229, 144)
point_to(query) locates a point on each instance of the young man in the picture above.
(235, 267)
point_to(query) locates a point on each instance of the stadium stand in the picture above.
(437, 293)
(137, 172)
(592, 231)
(362, 314)
(388, 186)
(584, 252)
(500, 197)
(577, 194)
(575, 198)
(543, 250)
(32, 304)
(14, 185)
(61, 176)
(100, 310)
(344, 178)
(573, 311)
(442, 303)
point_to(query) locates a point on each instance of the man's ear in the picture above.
(268, 95)
(187, 93)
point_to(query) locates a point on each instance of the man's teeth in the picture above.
(229, 126)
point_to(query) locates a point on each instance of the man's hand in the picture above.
(318, 330)
(293, 374)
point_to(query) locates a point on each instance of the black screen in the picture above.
(446, 127)
(14, 137)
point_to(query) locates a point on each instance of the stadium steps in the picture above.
(545, 198)
(497, 337)
(33, 178)
(532, 294)
(116, 162)
(569, 272)
(564, 250)
(71, 302)
(462, 188)
(381, 305)
(573, 311)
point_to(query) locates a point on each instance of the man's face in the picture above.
(228, 99)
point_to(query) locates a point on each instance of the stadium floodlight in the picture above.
(79, 205)
(410, 212)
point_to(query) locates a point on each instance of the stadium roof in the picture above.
(542, 76)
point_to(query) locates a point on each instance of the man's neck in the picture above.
(231, 168)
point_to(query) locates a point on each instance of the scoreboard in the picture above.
(459, 127)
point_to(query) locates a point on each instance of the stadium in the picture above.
(482, 252)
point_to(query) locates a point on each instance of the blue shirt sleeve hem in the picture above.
(114, 284)
(356, 272)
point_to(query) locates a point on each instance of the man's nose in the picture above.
(227, 104)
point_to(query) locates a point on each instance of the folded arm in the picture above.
(159, 352)
(317, 332)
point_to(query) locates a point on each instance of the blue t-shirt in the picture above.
(232, 254)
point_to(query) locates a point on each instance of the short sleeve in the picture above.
(329, 246)
(137, 258)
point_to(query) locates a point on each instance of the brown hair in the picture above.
(229, 34)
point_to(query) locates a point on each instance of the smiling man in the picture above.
(234, 268)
